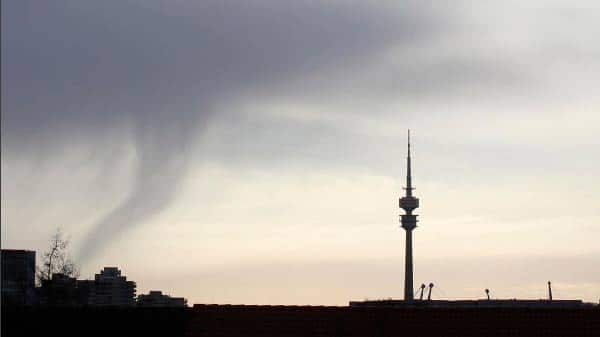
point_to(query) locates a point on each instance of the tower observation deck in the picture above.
(408, 203)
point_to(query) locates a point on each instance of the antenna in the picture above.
(487, 292)
(549, 291)
(409, 142)
(408, 187)
(422, 288)
(429, 295)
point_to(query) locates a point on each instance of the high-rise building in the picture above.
(109, 288)
(18, 277)
(409, 222)
(113, 289)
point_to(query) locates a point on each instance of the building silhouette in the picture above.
(18, 277)
(60, 290)
(409, 222)
(156, 298)
(109, 288)
(113, 289)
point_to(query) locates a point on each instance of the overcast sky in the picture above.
(254, 151)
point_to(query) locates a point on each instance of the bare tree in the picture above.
(56, 259)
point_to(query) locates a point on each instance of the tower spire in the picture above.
(408, 203)
(408, 187)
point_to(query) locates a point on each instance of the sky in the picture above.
(254, 151)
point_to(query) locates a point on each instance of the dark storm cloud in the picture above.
(70, 62)
(75, 72)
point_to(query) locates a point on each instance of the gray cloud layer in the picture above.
(160, 71)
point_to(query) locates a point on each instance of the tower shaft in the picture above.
(408, 269)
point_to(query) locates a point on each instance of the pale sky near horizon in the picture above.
(254, 151)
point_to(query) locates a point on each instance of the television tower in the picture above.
(409, 222)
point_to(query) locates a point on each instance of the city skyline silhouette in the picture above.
(253, 153)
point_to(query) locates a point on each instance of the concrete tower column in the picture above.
(408, 269)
